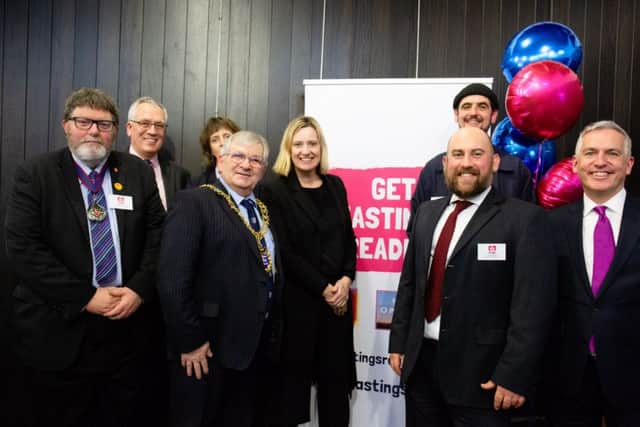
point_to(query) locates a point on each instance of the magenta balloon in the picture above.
(544, 99)
(559, 186)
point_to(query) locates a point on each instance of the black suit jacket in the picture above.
(612, 316)
(310, 268)
(174, 177)
(48, 244)
(212, 284)
(495, 314)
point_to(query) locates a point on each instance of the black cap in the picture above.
(477, 89)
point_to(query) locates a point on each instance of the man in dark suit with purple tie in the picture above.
(593, 361)
(82, 233)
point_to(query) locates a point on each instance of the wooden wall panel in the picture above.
(238, 66)
(108, 46)
(38, 63)
(85, 44)
(14, 90)
(153, 60)
(247, 58)
(195, 74)
(129, 72)
(173, 78)
(258, 70)
(62, 54)
(280, 60)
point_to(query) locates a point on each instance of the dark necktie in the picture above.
(438, 263)
(604, 248)
(102, 240)
(252, 213)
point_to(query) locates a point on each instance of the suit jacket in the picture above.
(513, 179)
(174, 177)
(211, 281)
(48, 244)
(310, 268)
(612, 316)
(495, 315)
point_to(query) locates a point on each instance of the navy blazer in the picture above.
(612, 316)
(495, 315)
(212, 284)
(49, 247)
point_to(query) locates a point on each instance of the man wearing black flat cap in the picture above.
(475, 105)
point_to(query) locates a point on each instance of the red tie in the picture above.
(439, 261)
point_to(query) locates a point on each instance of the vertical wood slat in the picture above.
(130, 62)
(302, 20)
(108, 47)
(623, 65)
(194, 88)
(280, 60)
(14, 90)
(238, 76)
(433, 38)
(153, 54)
(339, 39)
(258, 69)
(217, 58)
(38, 78)
(173, 81)
(62, 55)
(86, 44)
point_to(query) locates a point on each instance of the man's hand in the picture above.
(196, 361)
(102, 302)
(504, 398)
(128, 302)
(397, 360)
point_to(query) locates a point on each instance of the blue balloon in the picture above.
(544, 40)
(537, 156)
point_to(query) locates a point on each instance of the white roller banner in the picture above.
(380, 133)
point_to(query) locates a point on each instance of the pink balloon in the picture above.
(559, 186)
(544, 99)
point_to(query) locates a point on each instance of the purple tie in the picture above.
(102, 239)
(603, 249)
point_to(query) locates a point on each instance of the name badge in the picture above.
(119, 201)
(492, 252)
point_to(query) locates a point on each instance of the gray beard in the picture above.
(89, 156)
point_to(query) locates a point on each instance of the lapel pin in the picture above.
(117, 186)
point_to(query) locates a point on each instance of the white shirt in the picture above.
(268, 237)
(157, 172)
(111, 212)
(432, 329)
(615, 206)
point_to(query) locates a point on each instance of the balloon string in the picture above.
(536, 173)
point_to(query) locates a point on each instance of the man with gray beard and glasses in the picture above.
(82, 233)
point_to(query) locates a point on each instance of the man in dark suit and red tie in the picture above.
(595, 352)
(475, 297)
(83, 231)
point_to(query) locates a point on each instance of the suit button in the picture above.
(443, 331)
(446, 297)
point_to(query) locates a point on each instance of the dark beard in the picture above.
(478, 187)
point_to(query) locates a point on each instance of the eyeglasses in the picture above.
(145, 124)
(84, 123)
(254, 161)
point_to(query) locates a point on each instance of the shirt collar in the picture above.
(476, 200)
(615, 204)
(153, 160)
(237, 198)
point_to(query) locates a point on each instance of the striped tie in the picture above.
(104, 253)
